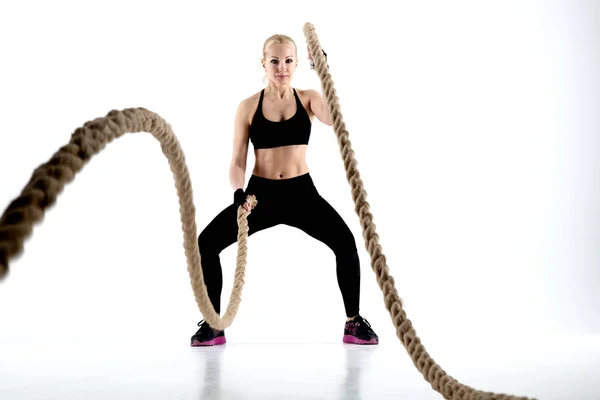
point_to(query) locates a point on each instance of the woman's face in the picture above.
(280, 62)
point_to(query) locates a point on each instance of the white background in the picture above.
(475, 126)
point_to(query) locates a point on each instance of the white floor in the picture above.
(564, 369)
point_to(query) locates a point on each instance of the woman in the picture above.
(277, 120)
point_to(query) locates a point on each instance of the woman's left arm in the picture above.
(319, 107)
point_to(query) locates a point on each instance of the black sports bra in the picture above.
(266, 134)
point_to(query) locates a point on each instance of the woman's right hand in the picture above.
(239, 199)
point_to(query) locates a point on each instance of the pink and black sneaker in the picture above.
(358, 331)
(208, 336)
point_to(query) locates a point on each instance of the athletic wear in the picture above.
(266, 134)
(239, 198)
(358, 331)
(294, 202)
(207, 336)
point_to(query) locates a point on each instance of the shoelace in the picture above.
(205, 325)
(360, 319)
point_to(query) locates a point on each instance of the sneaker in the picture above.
(208, 336)
(358, 331)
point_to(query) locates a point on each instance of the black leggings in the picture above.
(294, 202)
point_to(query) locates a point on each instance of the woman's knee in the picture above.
(205, 243)
(345, 245)
(218, 233)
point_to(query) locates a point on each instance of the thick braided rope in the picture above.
(449, 387)
(50, 178)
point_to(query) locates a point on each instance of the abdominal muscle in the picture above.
(281, 162)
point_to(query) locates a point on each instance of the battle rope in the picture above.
(449, 387)
(50, 178)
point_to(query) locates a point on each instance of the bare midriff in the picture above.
(281, 162)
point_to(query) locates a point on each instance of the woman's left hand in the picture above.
(310, 59)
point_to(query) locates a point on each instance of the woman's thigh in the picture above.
(317, 218)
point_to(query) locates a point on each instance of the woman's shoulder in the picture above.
(305, 92)
(247, 106)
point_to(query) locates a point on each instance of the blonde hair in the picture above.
(277, 38)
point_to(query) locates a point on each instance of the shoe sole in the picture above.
(352, 340)
(215, 342)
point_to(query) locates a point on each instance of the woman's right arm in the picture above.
(237, 170)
